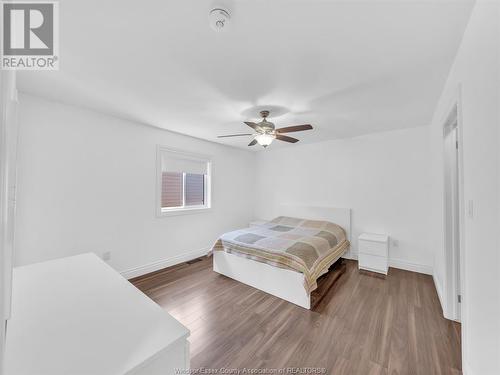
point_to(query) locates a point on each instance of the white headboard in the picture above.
(340, 216)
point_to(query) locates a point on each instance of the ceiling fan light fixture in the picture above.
(265, 139)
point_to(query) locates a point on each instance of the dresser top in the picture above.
(374, 237)
(77, 315)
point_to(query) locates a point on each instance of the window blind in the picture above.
(195, 189)
(171, 189)
(177, 162)
(183, 180)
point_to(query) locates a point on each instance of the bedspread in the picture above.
(306, 246)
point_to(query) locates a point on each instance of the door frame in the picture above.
(451, 210)
(452, 309)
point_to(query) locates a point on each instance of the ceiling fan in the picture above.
(265, 132)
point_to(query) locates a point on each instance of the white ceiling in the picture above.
(346, 67)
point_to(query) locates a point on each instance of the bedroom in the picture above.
(113, 169)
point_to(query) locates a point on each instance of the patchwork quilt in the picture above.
(306, 246)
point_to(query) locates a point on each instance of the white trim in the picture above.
(187, 154)
(182, 211)
(466, 368)
(439, 291)
(463, 276)
(398, 263)
(9, 139)
(410, 266)
(163, 263)
(351, 254)
(453, 122)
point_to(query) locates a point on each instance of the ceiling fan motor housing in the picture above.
(265, 125)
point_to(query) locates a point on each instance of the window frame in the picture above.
(172, 211)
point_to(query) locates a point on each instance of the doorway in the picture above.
(452, 214)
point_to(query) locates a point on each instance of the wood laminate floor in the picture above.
(364, 325)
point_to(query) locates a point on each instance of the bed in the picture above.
(295, 256)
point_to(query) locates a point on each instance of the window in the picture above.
(184, 181)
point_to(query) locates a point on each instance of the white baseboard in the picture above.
(164, 263)
(439, 290)
(398, 263)
(172, 261)
(466, 368)
(351, 255)
(410, 266)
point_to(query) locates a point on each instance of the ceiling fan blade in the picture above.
(296, 128)
(254, 142)
(232, 135)
(286, 138)
(253, 125)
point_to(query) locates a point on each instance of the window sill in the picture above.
(182, 211)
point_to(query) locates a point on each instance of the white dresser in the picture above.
(78, 316)
(373, 252)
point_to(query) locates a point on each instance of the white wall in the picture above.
(382, 177)
(87, 183)
(476, 70)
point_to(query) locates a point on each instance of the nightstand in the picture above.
(257, 223)
(373, 252)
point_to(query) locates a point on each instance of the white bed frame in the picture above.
(282, 283)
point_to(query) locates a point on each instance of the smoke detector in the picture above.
(219, 19)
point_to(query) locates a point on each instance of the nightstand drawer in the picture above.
(373, 263)
(373, 248)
